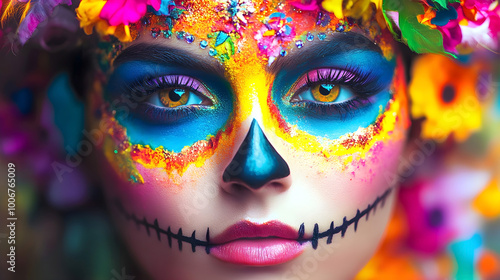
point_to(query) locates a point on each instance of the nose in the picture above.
(256, 163)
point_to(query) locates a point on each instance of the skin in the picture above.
(329, 178)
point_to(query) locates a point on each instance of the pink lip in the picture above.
(248, 243)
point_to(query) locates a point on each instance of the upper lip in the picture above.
(248, 230)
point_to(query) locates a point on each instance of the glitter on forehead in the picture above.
(274, 28)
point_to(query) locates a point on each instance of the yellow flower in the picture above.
(350, 8)
(88, 14)
(488, 201)
(334, 6)
(444, 93)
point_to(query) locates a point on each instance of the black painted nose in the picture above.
(256, 162)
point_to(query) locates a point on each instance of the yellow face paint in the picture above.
(247, 72)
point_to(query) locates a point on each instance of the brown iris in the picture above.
(325, 92)
(174, 97)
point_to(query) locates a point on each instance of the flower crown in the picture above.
(432, 26)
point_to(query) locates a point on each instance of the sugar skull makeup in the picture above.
(248, 137)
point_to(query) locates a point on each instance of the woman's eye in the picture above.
(323, 93)
(173, 97)
(175, 91)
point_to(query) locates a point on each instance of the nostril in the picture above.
(237, 189)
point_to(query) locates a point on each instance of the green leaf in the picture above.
(419, 37)
(442, 3)
(392, 5)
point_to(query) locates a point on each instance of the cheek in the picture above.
(371, 176)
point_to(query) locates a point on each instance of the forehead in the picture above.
(230, 30)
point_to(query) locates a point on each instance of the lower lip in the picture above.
(258, 252)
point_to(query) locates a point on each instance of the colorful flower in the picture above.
(311, 5)
(483, 23)
(488, 201)
(438, 209)
(464, 26)
(237, 11)
(275, 31)
(88, 15)
(443, 92)
(488, 265)
(350, 8)
(125, 12)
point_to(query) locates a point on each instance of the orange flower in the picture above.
(444, 93)
(88, 15)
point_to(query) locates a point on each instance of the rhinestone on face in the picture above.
(321, 36)
(212, 52)
(299, 44)
(283, 52)
(180, 35)
(203, 44)
(167, 33)
(155, 32)
(189, 38)
(309, 37)
(145, 21)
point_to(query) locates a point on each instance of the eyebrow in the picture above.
(169, 56)
(344, 42)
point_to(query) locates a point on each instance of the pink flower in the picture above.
(118, 12)
(309, 5)
(483, 24)
(274, 34)
(452, 35)
(438, 209)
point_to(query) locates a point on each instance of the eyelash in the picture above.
(150, 85)
(363, 85)
(352, 77)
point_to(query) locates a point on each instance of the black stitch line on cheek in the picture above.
(178, 237)
(345, 223)
(157, 228)
(170, 235)
(314, 239)
(207, 245)
(193, 239)
(301, 234)
(207, 248)
(330, 234)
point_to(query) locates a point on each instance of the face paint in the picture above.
(256, 162)
(149, 127)
(325, 133)
(165, 136)
(262, 115)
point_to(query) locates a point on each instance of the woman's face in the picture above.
(270, 154)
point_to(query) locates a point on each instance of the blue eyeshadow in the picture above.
(198, 124)
(332, 125)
